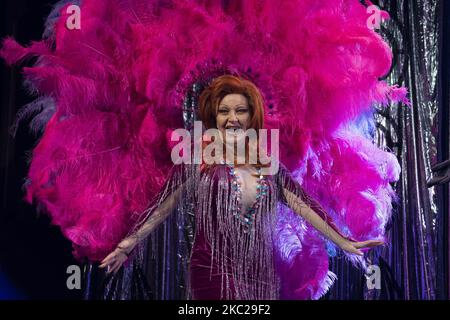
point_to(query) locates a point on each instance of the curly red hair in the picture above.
(227, 84)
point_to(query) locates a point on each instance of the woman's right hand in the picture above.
(113, 262)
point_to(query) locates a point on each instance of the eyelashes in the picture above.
(240, 111)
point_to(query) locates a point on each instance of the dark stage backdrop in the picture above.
(34, 255)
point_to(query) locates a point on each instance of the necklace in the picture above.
(247, 217)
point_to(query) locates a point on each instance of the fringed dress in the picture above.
(217, 235)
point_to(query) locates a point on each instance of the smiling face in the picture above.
(235, 108)
(233, 112)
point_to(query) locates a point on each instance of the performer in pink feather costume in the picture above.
(112, 92)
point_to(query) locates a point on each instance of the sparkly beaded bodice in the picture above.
(249, 187)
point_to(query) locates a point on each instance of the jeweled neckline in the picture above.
(247, 218)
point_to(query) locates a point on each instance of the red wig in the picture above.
(227, 84)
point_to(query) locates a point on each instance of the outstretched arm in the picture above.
(296, 204)
(162, 208)
(115, 259)
(298, 200)
(158, 216)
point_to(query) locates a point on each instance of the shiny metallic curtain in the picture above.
(414, 264)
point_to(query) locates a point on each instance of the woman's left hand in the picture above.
(354, 247)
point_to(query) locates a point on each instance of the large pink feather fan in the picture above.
(111, 92)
